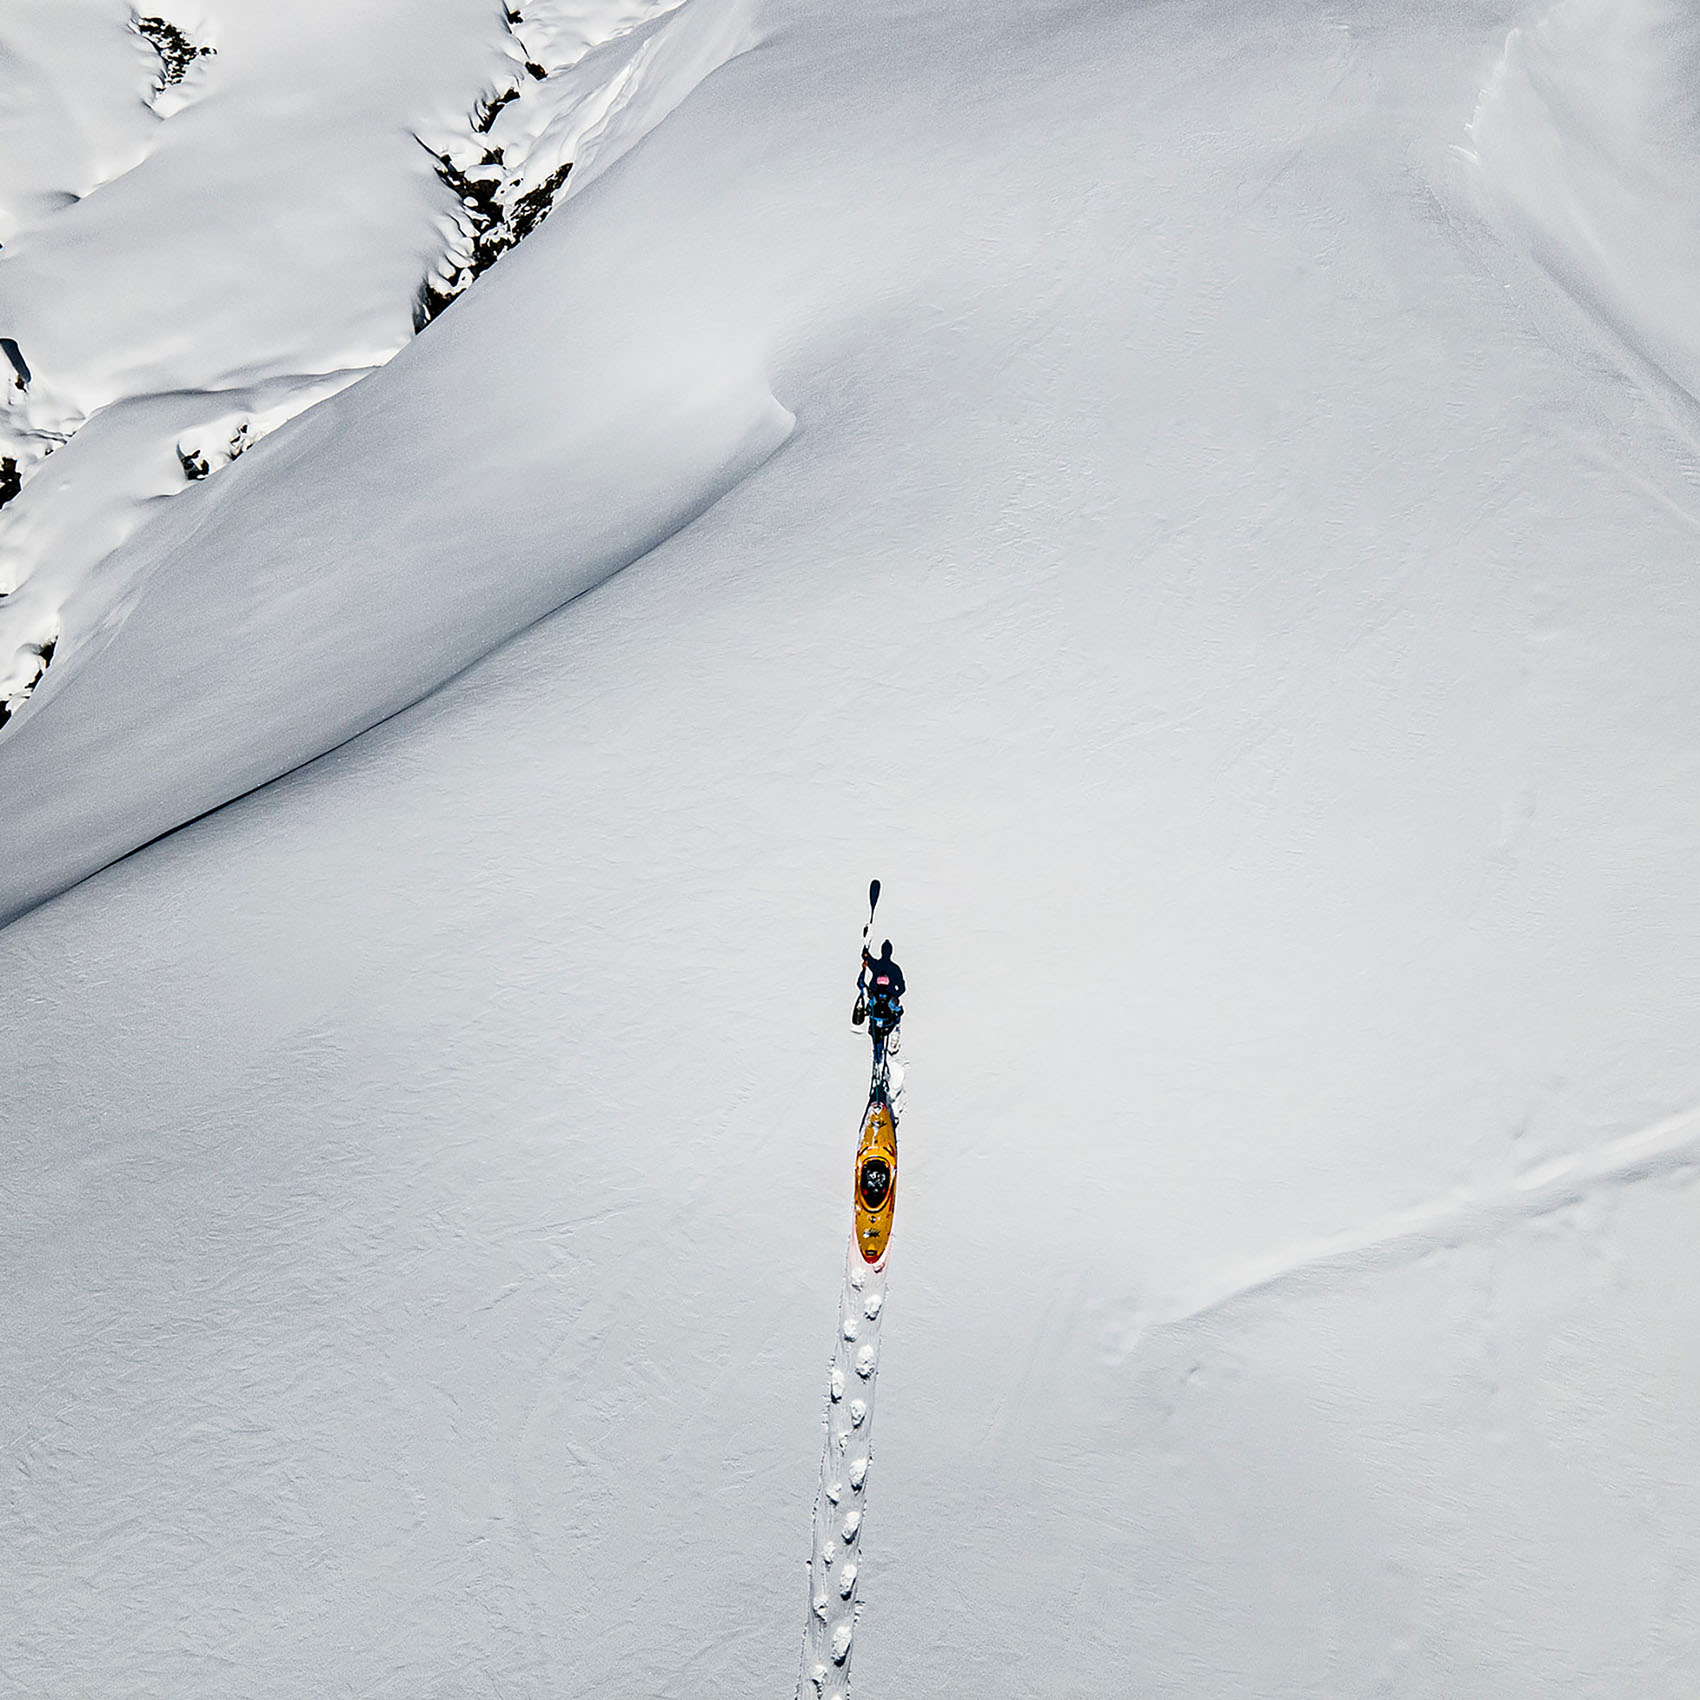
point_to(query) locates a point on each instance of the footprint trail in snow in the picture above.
(841, 1498)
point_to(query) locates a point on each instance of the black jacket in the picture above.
(876, 968)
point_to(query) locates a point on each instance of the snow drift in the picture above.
(1587, 140)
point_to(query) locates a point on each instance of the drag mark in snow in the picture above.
(842, 1494)
(841, 1499)
(1459, 1219)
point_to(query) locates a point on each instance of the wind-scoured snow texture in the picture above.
(1257, 656)
(842, 1497)
(1587, 141)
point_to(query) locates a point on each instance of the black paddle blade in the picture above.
(873, 897)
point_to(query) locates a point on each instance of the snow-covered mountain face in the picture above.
(1202, 499)
(215, 224)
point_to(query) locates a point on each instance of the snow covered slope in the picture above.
(1172, 491)
(201, 239)
(187, 271)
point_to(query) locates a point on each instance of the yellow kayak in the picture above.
(876, 1182)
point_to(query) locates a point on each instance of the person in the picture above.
(881, 983)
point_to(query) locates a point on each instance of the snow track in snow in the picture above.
(841, 1498)
(1669, 1147)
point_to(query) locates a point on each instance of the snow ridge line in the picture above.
(28, 880)
(1457, 1219)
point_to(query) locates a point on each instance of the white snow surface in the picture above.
(1204, 501)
